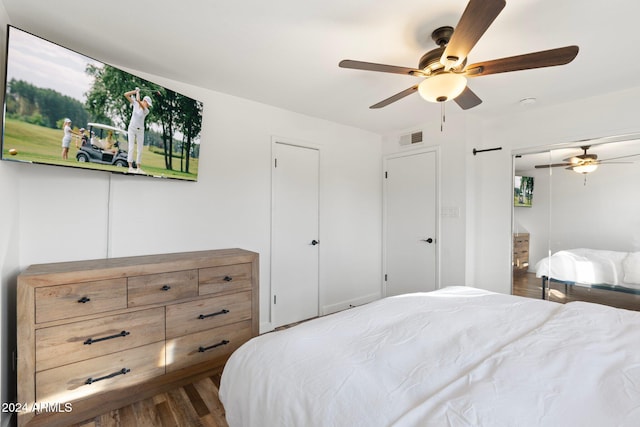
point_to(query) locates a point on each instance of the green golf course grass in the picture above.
(40, 144)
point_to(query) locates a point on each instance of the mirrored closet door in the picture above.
(580, 223)
(530, 221)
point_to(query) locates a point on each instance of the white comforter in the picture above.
(458, 356)
(586, 266)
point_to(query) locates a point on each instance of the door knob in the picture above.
(314, 242)
(429, 240)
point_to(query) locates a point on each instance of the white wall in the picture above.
(52, 214)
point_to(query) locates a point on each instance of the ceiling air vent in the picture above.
(411, 138)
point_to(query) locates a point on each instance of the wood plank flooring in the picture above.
(192, 405)
(197, 404)
(528, 285)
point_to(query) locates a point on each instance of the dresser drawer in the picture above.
(78, 299)
(82, 379)
(195, 316)
(235, 277)
(207, 345)
(162, 288)
(64, 344)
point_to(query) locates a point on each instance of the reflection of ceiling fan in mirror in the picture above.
(445, 68)
(585, 163)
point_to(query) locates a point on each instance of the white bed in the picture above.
(604, 269)
(455, 357)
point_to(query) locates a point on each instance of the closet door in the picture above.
(582, 222)
(295, 237)
(411, 206)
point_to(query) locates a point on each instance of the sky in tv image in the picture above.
(47, 65)
(48, 85)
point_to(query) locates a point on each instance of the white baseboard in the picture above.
(331, 308)
(266, 327)
(343, 305)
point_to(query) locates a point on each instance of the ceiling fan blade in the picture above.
(620, 157)
(476, 18)
(545, 58)
(553, 165)
(467, 99)
(614, 163)
(370, 66)
(396, 97)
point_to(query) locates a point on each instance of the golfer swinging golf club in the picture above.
(136, 127)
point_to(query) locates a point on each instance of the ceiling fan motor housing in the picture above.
(442, 35)
(430, 61)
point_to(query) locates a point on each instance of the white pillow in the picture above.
(631, 267)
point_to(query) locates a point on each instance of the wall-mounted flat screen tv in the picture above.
(523, 191)
(66, 109)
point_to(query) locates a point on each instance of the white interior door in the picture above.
(411, 223)
(295, 237)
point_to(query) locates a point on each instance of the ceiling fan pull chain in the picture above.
(442, 117)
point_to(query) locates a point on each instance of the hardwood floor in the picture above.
(193, 405)
(528, 285)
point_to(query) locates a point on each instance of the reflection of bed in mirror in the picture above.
(594, 268)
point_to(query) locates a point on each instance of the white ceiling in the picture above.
(285, 53)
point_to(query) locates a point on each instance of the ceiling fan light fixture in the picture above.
(586, 168)
(442, 87)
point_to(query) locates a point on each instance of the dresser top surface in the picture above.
(135, 265)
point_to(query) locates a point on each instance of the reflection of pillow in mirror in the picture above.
(631, 266)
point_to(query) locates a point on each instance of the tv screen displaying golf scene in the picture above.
(523, 191)
(63, 108)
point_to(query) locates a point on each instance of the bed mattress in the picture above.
(458, 356)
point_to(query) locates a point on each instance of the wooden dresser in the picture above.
(520, 253)
(97, 335)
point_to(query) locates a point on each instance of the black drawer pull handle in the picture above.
(203, 349)
(91, 340)
(106, 377)
(227, 278)
(84, 300)
(217, 313)
(165, 288)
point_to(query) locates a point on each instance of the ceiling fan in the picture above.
(584, 163)
(445, 68)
